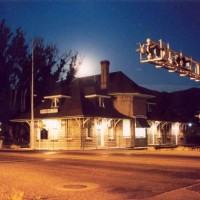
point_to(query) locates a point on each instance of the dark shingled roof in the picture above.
(80, 106)
(119, 83)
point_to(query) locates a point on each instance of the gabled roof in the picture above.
(77, 105)
(119, 84)
(82, 96)
(122, 84)
(68, 107)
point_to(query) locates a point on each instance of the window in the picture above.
(49, 129)
(44, 134)
(88, 132)
(126, 128)
(111, 135)
(55, 102)
(39, 134)
(140, 133)
(88, 128)
(149, 109)
(101, 102)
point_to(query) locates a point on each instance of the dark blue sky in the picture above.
(111, 30)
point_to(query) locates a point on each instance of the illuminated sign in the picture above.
(49, 111)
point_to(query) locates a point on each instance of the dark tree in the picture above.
(20, 61)
(50, 68)
(44, 58)
(67, 67)
(5, 70)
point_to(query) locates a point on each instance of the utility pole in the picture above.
(32, 100)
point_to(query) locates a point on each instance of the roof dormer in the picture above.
(100, 99)
(55, 103)
(55, 100)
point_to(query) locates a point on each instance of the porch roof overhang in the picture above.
(142, 123)
(43, 118)
(21, 120)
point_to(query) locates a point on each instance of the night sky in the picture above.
(111, 30)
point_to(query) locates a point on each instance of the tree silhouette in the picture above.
(5, 70)
(50, 68)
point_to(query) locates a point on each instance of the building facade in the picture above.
(101, 111)
(167, 133)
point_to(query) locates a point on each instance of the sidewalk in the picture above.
(190, 192)
(180, 151)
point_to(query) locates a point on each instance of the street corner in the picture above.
(189, 192)
(195, 188)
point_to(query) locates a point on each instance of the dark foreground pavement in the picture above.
(99, 174)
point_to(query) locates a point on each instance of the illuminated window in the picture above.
(126, 128)
(52, 127)
(140, 133)
(38, 134)
(99, 125)
(88, 127)
(111, 135)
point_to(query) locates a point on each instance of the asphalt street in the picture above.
(99, 174)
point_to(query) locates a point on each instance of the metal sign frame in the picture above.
(160, 55)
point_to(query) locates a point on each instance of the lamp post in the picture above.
(32, 101)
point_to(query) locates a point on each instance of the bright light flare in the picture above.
(86, 68)
(52, 124)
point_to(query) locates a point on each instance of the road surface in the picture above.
(99, 175)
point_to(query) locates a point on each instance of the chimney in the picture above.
(104, 74)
